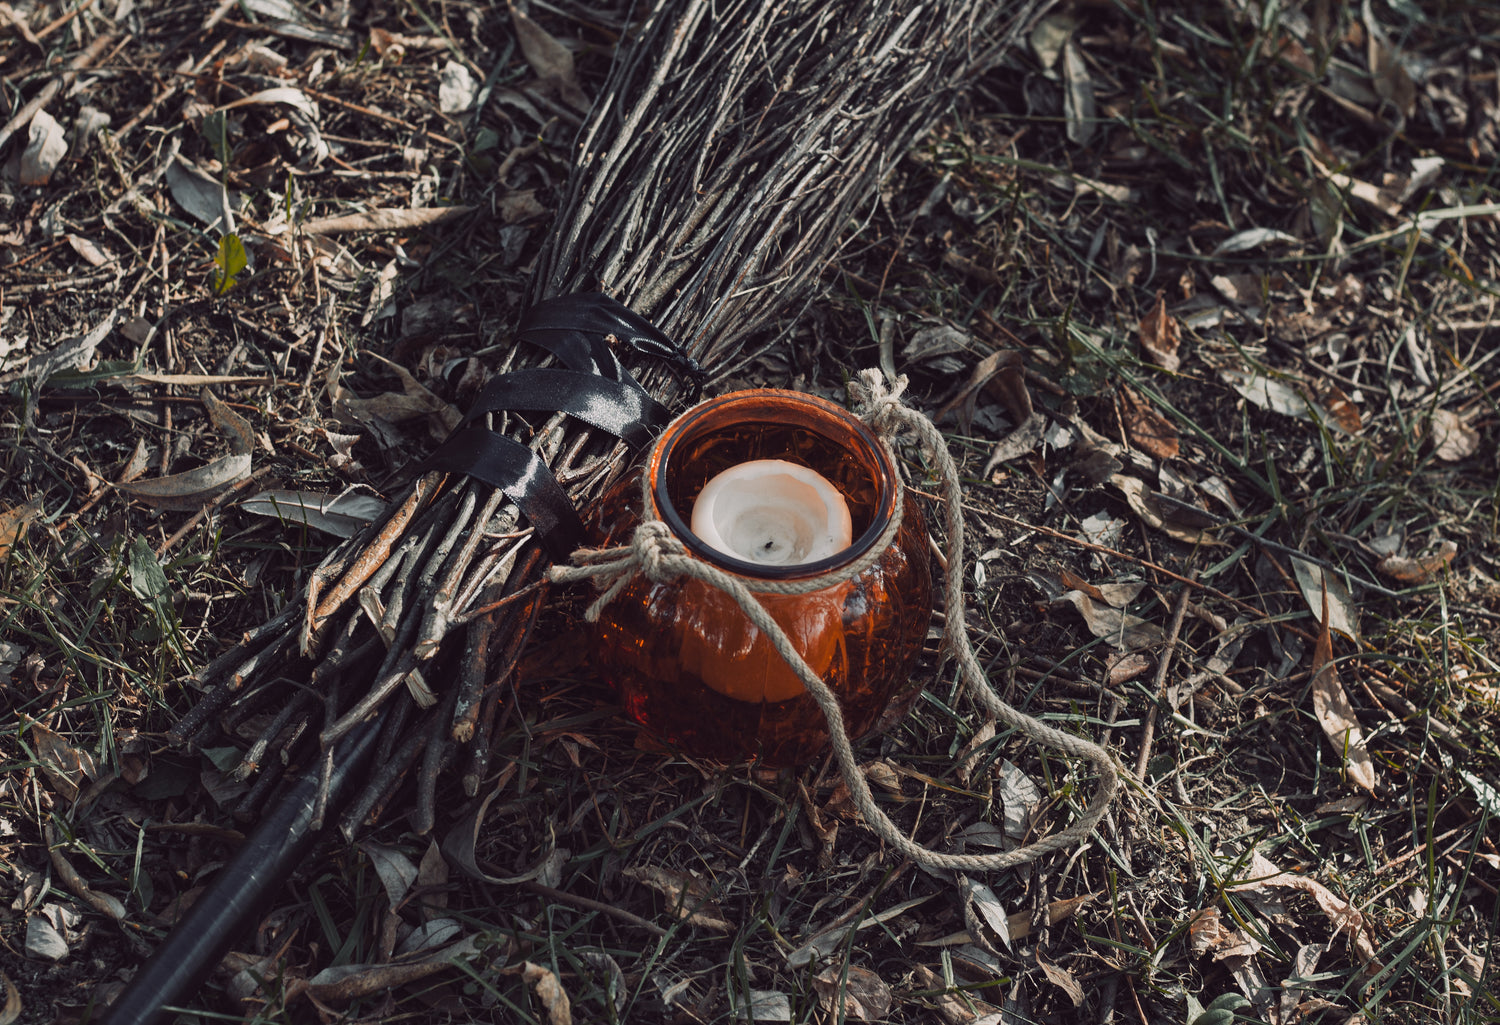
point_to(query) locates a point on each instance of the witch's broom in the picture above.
(733, 149)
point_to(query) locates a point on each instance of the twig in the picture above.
(1148, 564)
(543, 890)
(1148, 734)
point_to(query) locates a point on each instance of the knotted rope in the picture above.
(656, 553)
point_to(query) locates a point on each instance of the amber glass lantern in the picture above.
(769, 486)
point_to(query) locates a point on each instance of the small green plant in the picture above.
(230, 261)
(1220, 1012)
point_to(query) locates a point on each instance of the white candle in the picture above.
(773, 512)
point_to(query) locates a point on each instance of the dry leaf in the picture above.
(1452, 439)
(64, 765)
(343, 983)
(550, 59)
(202, 196)
(393, 868)
(1018, 442)
(1337, 407)
(1143, 501)
(1002, 375)
(415, 400)
(241, 436)
(688, 896)
(1078, 96)
(517, 206)
(459, 844)
(763, 1005)
(93, 254)
(1062, 979)
(11, 1012)
(1161, 335)
(46, 145)
(43, 940)
(1207, 933)
(1020, 797)
(1126, 667)
(342, 515)
(1252, 238)
(1399, 567)
(1267, 393)
(1262, 875)
(385, 220)
(13, 524)
(1148, 430)
(864, 995)
(190, 489)
(550, 992)
(973, 751)
(1118, 628)
(1335, 713)
(1319, 587)
(984, 916)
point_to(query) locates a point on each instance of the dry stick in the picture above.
(1148, 735)
(563, 896)
(479, 750)
(208, 507)
(371, 558)
(1148, 564)
(437, 752)
(82, 60)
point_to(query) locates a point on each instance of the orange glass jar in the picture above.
(689, 665)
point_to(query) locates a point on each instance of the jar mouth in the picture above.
(773, 423)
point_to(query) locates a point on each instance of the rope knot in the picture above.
(880, 404)
(653, 546)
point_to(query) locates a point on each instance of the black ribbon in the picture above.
(596, 389)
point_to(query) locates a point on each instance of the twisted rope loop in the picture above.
(660, 556)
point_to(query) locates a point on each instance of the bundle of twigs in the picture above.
(735, 145)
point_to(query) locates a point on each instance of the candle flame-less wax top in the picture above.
(773, 512)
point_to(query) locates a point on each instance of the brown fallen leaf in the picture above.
(190, 489)
(550, 992)
(413, 401)
(863, 994)
(1262, 875)
(1409, 570)
(385, 220)
(1062, 979)
(13, 524)
(241, 436)
(1207, 933)
(1339, 410)
(1002, 375)
(64, 765)
(11, 1012)
(688, 896)
(1126, 667)
(1144, 502)
(1335, 713)
(1118, 628)
(550, 59)
(1147, 428)
(1161, 335)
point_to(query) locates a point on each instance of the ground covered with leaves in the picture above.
(1204, 299)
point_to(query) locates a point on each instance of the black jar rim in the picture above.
(680, 430)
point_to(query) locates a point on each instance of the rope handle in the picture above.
(660, 556)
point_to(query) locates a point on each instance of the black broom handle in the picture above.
(275, 847)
